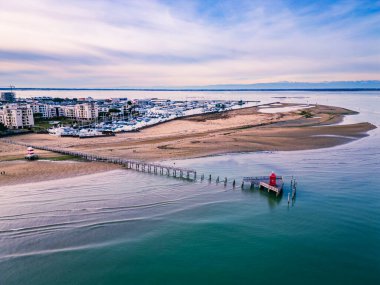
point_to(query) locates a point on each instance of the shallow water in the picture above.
(283, 109)
(124, 227)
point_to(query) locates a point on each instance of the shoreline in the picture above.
(235, 131)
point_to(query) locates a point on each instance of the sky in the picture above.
(117, 43)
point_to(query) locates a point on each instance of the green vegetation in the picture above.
(52, 158)
(37, 116)
(59, 100)
(13, 158)
(62, 158)
(42, 124)
(3, 128)
(306, 114)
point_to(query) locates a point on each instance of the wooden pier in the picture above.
(262, 182)
(142, 166)
(259, 182)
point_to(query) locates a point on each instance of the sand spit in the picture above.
(243, 130)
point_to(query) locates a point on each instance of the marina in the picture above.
(142, 114)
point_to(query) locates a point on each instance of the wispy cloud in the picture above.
(103, 43)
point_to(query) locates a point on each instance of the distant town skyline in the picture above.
(95, 44)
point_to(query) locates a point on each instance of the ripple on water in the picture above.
(132, 225)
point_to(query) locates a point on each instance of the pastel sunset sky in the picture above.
(98, 43)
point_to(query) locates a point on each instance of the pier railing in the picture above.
(137, 165)
(161, 169)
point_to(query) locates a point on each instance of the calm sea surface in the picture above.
(124, 227)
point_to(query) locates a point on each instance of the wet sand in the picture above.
(19, 172)
(243, 130)
(50, 166)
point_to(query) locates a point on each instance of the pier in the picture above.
(141, 166)
(264, 182)
(271, 184)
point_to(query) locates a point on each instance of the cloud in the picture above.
(172, 43)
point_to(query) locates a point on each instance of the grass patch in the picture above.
(42, 125)
(52, 158)
(62, 158)
(12, 159)
(306, 114)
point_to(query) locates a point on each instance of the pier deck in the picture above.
(142, 166)
(262, 182)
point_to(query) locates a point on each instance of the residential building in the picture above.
(86, 111)
(56, 111)
(69, 112)
(47, 111)
(16, 116)
(42, 109)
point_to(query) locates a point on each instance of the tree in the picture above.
(2, 127)
(37, 116)
(59, 100)
(114, 110)
(102, 114)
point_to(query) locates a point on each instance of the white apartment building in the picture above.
(15, 116)
(69, 112)
(86, 111)
(103, 109)
(56, 111)
(48, 111)
(42, 109)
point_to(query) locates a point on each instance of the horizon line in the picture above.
(188, 89)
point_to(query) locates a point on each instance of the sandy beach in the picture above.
(19, 172)
(242, 130)
(50, 166)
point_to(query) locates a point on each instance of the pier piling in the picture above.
(129, 164)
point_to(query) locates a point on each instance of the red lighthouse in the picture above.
(272, 179)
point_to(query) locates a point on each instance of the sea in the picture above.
(125, 227)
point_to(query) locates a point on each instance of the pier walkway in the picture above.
(259, 182)
(142, 166)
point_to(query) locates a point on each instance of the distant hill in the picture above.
(373, 84)
(284, 85)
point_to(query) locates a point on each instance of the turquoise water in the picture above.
(124, 227)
